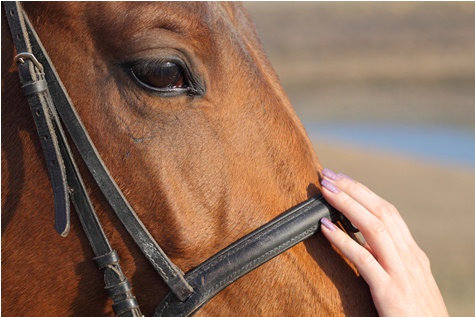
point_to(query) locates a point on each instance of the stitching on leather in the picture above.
(165, 306)
(100, 171)
(265, 255)
(149, 252)
(231, 252)
(271, 253)
(232, 276)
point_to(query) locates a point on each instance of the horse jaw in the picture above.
(201, 172)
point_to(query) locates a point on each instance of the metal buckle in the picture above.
(21, 57)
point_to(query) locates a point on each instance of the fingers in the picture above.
(379, 207)
(374, 204)
(392, 264)
(373, 229)
(369, 268)
(388, 237)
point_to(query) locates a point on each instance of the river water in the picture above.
(437, 144)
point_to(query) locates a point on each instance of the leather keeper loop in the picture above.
(107, 259)
(34, 87)
(125, 306)
(118, 289)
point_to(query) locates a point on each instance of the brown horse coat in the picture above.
(200, 170)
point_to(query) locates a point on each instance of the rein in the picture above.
(52, 108)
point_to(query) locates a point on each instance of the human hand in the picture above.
(395, 268)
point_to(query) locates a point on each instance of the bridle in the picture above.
(52, 109)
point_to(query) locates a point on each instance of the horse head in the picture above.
(193, 125)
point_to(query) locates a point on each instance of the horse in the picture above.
(189, 117)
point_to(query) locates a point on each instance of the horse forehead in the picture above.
(133, 16)
(115, 26)
(126, 19)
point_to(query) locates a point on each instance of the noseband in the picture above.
(52, 109)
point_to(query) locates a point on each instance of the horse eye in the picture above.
(164, 75)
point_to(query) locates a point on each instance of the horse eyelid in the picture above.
(193, 87)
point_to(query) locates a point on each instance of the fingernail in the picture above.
(328, 185)
(328, 224)
(330, 174)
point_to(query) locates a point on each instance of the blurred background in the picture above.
(386, 92)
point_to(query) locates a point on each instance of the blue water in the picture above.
(438, 144)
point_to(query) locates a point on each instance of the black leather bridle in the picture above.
(52, 109)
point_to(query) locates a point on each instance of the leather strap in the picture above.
(42, 86)
(41, 105)
(246, 254)
(36, 90)
(105, 258)
(169, 272)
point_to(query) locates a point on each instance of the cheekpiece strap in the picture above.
(36, 90)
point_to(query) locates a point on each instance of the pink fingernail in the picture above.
(330, 174)
(328, 224)
(328, 185)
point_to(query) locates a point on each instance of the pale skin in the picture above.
(395, 268)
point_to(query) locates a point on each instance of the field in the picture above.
(390, 63)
